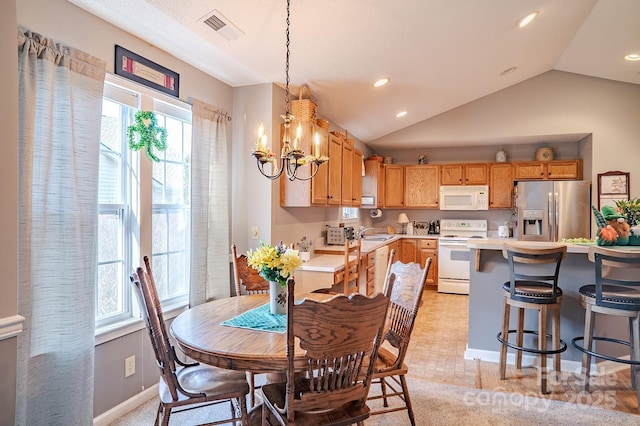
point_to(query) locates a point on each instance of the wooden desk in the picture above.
(200, 335)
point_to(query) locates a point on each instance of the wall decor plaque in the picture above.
(141, 70)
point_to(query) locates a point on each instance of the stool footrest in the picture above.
(562, 348)
(603, 356)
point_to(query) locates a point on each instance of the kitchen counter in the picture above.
(486, 294)
(371, 245)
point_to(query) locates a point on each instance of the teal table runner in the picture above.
(260, 319)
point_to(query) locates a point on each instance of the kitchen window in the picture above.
(143, 206)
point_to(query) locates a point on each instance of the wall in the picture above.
(553, 103)
(9, 191)
(73, 26)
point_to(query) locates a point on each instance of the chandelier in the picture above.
(292, 156)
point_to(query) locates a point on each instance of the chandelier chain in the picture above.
(286, 90)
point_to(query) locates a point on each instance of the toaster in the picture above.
(339, 235)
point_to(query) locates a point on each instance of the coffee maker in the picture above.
(434, 227)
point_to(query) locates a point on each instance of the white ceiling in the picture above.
(439, 54)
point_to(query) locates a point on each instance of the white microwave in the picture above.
(464, 197)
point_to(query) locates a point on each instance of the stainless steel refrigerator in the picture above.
(553, 210)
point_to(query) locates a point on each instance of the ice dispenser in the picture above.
(532, 222)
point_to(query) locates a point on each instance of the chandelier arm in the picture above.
(313, 173)
(272, 176)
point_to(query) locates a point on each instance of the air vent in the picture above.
(220, 24)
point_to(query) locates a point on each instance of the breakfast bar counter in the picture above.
(485, 300)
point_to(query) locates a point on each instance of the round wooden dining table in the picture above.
(201, 336)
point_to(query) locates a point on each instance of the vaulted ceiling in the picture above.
(438, 54)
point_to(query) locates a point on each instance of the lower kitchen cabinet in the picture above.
(429, 249)
(368, 271)
(407, 250)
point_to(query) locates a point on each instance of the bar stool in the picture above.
(616, 292)
(532, 285)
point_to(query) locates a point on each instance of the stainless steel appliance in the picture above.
(464, 197)
(453, 253)
(339, 235)
(553, 210)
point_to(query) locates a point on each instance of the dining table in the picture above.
(200, 333)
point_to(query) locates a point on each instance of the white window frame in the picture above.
(138, 218)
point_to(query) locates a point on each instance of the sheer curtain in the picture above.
(60, 92)
(210, 278)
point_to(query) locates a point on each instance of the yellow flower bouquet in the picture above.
(274, 263)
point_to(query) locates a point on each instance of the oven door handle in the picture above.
(452, 244)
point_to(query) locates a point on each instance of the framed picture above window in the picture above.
(612, 187)
(143, 71)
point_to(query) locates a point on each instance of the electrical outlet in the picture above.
(255, 233)
(130, 366)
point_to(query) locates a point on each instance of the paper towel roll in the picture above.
(375, 213)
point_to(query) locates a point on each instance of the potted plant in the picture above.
(631, 211)
(276, 265)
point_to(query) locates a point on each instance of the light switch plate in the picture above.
(255, 233)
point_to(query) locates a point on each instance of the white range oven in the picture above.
(453, 253)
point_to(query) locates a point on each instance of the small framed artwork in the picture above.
(612, 187)
(143, 71)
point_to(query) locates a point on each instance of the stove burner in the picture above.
(476, 236)
(449, 236)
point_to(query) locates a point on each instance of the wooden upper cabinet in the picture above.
(313, 192)
(500, 186)
(421, 186)
(356, 185)
(571, 169)
(335, 169)
(464, 174)
(373, 182)
(543, 170)
(393, 185)
(347, 174)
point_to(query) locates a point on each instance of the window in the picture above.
(143, 206)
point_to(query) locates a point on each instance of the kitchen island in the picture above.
(491, 270)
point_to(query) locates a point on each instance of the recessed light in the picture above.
(401, 114)
(632, 57)
(523, 22)
(508, 71)
(381, 82)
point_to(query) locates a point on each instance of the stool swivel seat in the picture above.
(533, 284)
(616, 292)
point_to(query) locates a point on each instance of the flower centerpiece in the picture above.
(304, 245)
(276, 265)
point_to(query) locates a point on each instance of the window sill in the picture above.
(122, 328)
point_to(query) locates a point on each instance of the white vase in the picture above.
(305, 256)
(277, 298)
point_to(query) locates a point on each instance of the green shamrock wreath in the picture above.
(148, 131)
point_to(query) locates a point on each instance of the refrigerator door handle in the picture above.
(550, 213)
(556, 222)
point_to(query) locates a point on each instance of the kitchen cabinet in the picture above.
(421, 186)
(500, 186)
(408, 250)
(543, 170)
(429, 249)
(347, 174)
(334, 184)
(393, 185)
(464, 174)
(356, 184)
(313, 192)
(368, 271)
(373, 183)
(395, 245)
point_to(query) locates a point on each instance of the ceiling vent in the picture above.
(222, 25)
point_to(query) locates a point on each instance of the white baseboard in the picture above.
(601, 368)
(120, 410)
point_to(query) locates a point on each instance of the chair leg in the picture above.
(407, 400)
(634, 339)
(505, 336)
(244, 415)
(542, 346)
(383, 389)
(589, 325)
(519, 339)
(556, 340)
(252, 389)
(158, 413)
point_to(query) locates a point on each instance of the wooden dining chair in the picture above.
(352, 261)
(389, 369)
(337, 335)
(184, 385)
(247, 280)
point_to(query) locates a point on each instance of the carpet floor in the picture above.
(438, 404)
